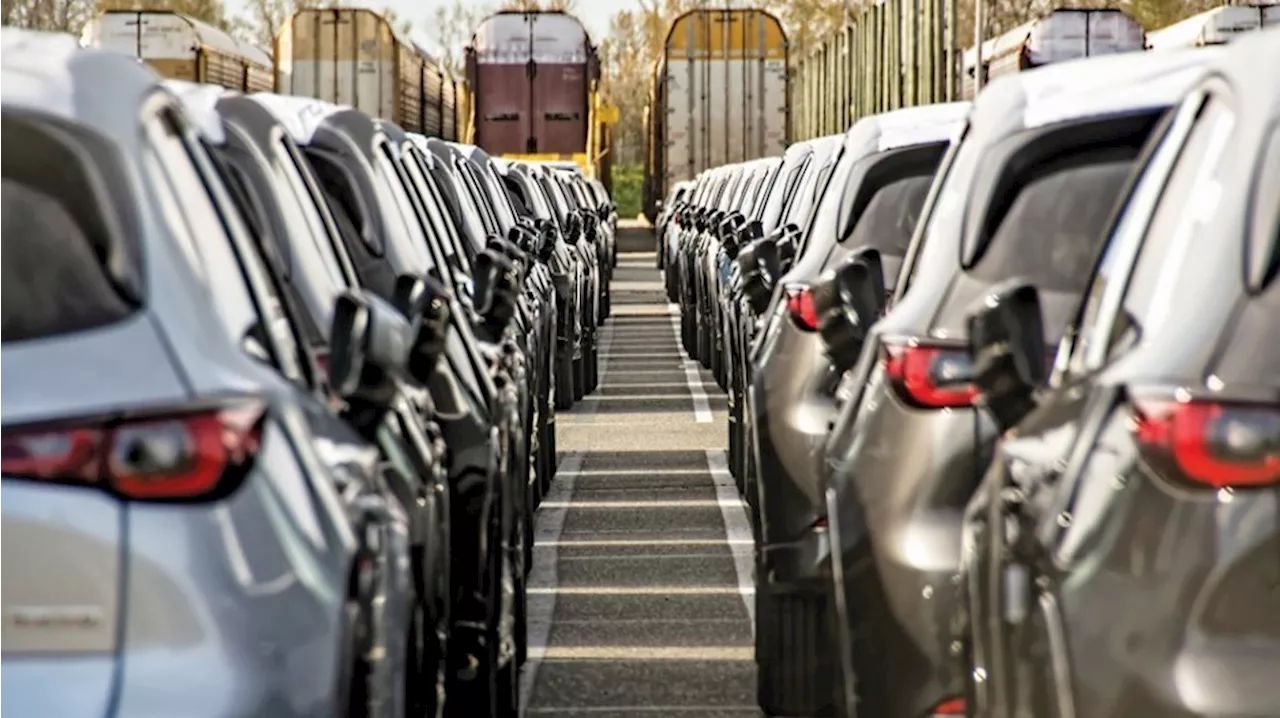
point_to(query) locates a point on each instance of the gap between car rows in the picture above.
(640, 594)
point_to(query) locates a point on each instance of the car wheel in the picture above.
(688, 333)
(424, 677)
(716, 361)
(796, 671)
(564, 384)
(704, 343)
(593, 370)
(580, 376)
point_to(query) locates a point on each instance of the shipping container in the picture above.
(182, 48)
(353, 56)
(535, 89)
(1215, 27)
(1061, 35)
(720, 94)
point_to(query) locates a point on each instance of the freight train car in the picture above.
(891, 54)
(720, 95)
(1215, 27)
(353, 56)
(1061, 35)
(182, 48)
(535, 84)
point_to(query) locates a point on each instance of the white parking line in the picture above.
(701, 408)
(737, 529)
(548, 526)
(660, 710)
(655, 504)
(631, 591)
(575, 543)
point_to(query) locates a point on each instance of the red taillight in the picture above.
(182, 454)
(952, 707)
(1216, 444)
(801, 307)
(930, 376)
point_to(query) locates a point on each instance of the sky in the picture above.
(595, 14)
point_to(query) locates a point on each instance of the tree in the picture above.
(454, 25)
(51, 15)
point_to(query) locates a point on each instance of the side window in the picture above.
(302, 218)
(1262, 259)
(1189, 196)
(1111, 275)
(58, 229)
(932, 203)
(409, 221)
(196, 224)
(279, 320)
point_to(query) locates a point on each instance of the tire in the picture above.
(580, 376)
(424, 687)
(593, 370)
(564, 385)
(717, 361)
(797, 672)
(688, 333)
(704, 344)
(548, 455)
(507, 691)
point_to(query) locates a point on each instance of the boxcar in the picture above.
(353, 56)
(1214, 27)
(534, 79)
(1064, 34)
(182, 48)
(720, 95)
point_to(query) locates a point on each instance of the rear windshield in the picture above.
(65, 259)
(890, 217)
(1252, 356)
(1053, 230)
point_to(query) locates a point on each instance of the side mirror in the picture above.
(510, 250)
(497, 291)
(546, 248)
(521, 237)
(786, 253)
(425, 302)
(755, 285)
(767, 262)
(848, 301)
(1006, 343)
(369, 349)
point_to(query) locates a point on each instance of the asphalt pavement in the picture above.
(641, 591)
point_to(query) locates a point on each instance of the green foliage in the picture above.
(628, 189)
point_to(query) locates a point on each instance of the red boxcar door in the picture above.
(560, 83)
(504, 120)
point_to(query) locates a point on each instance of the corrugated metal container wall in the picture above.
(449, 107)
(182, 48)
(346, 56)
(352, 56)
(725, 91)
(896, 53)
(433, 109)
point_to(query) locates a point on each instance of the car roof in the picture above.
(300, 116)
(200, 102)
(1255, 91)
(908, 126)
(1091, 87)
(50, 73)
